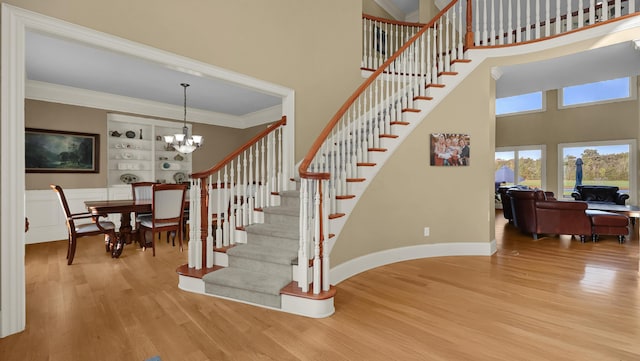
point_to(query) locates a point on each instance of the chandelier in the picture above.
(182, 142)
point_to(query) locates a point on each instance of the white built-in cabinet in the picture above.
(137, 153)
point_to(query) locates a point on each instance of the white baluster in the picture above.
(326, 282)
(569, 16)
(618, 9)
(280, 146)
(485, 20)
(632, 6)
(592, 12)
(558, 18)
(501, 33)
(518, 23)
(537, 21)
(303, 259)
(547, 22)
(209, 211)
(477, 18)
(580, 14)
(226, 212)
(220, 217)
(527, 22)
(510, 26)
(440, 40)
(447, 56)
(604, 10)
(263, 188)
(316, 240)
(192, 215)
(434, 58)
(492, 35)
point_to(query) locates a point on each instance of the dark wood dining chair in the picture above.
(167, 213)
(84, 229)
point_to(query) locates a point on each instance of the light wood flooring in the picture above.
(551, 299)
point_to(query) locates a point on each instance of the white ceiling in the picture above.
(64, 62)
(611, 62)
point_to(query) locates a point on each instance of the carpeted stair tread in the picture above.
(264, 253)
(283, 210)
(246, 280)
(275, 230)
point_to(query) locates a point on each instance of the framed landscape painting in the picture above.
(55, 151)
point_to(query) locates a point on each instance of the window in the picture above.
(520, 165)
(530, 102)
(598, 92)
(602, 163)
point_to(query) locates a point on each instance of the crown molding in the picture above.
(391, 8)
(55, 93)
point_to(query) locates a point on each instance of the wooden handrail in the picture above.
(233, 155)
(306, 162)
(393, 22)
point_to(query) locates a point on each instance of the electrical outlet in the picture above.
(426, 231)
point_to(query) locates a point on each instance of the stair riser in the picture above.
(272, 241)
(244, 295)
(261, 266)
(283, 219)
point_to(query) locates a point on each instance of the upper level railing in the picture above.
(223, 198)
(495, 23)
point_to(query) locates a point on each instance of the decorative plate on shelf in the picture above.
(128, 178)
(179, 177)
(130, 134)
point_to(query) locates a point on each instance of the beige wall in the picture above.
(610, 121)
(408, 194)
(310, 46)
(45, 115)
(219, 141)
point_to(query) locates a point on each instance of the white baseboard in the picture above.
(364, 263)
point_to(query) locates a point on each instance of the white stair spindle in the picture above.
(501, 28)
(220, 217)
(518, 23)
(580, 14)
(547, 19)
(492, 34)
(303, 260)
(592, 12)
(569, 16)
(325, 237)
(209, 211)
(316, 240)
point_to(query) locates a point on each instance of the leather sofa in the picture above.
(599, 194)
(505, 198)
(536, 213)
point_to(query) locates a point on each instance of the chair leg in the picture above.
(620, 239)
(118, 245)
(153, 245)
(68, 246)
(72, 250)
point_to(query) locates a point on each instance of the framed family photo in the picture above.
(56, 151)
(450, 149)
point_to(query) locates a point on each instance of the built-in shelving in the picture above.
(137, 152)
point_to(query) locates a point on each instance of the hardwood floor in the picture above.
(551, 299)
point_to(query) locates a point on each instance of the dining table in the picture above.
(124, 207)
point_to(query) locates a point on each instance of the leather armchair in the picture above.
(599, 194)
(536, 213)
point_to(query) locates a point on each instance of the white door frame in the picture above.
(15, 23)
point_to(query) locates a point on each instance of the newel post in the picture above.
(204, 218)
(469, 35)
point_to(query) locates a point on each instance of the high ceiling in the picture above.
(64, 62)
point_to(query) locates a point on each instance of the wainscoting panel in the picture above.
(46, 218)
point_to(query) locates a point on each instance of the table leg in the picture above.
(125, 226)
